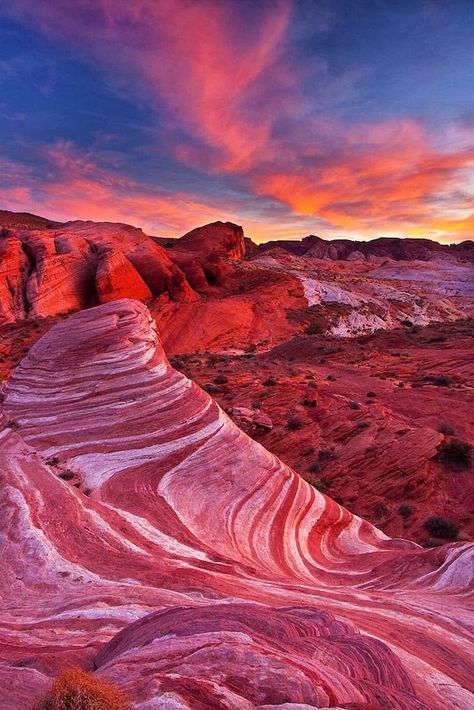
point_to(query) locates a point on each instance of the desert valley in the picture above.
(236, 475)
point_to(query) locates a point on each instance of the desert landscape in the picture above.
(236, 355)
(299, 468)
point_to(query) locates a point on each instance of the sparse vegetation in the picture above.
(294, 423)
(52, 461)
(76, 690)
(309, 402)
(441, 527)
(221, 380)
(314, 328)
(354, 405)
(439, 380)
(371, 394)
(269, 382)
(455, 453)
(321, 484)
(66, 475)
(405, 511)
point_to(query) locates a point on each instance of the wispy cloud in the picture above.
(236, 99)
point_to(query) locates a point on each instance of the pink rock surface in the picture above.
(117, 278)
(180, 559)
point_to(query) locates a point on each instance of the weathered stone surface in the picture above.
(67, 267)
(190, 565)
(116, 278)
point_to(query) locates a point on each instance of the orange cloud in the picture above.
(76, 187)
(381, 177)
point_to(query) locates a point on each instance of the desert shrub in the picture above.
(455, 453)
(321, 484)
(405, 511)
(437, 339)
(407, 323)
(314, 329)
(309, 402)
(314, 467)
(441, 527)
(354, 405)
(294, 423)
(269, 382)
(371, 394)
(331, 378)
(53, 461)
(326, 454)
(66, 475)
(210, 388)
(221, 380)
(76, 690)
(363, 425)
(439, 380)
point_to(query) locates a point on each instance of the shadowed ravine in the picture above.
(146, 536)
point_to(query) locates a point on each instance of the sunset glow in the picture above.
(336, 118)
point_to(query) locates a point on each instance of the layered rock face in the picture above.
(148, 538)
(67, 267)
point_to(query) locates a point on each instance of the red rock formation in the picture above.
(137, 515)
(223, 239)
(203, 254)
(44, 272)
(13, 275)
(117, 278)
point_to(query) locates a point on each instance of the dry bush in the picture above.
(76, 690)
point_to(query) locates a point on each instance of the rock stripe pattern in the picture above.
(148, 538)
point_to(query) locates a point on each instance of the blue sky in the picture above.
(348, 119)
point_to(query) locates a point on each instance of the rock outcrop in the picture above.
(116, 278)
(46, 271)
(204, 253)
(147, 537)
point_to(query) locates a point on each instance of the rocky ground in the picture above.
(362, 419)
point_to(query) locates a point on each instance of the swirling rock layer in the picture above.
(146, 536)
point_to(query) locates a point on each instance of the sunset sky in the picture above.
(345, 118)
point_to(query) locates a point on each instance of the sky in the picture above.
(341, 118)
